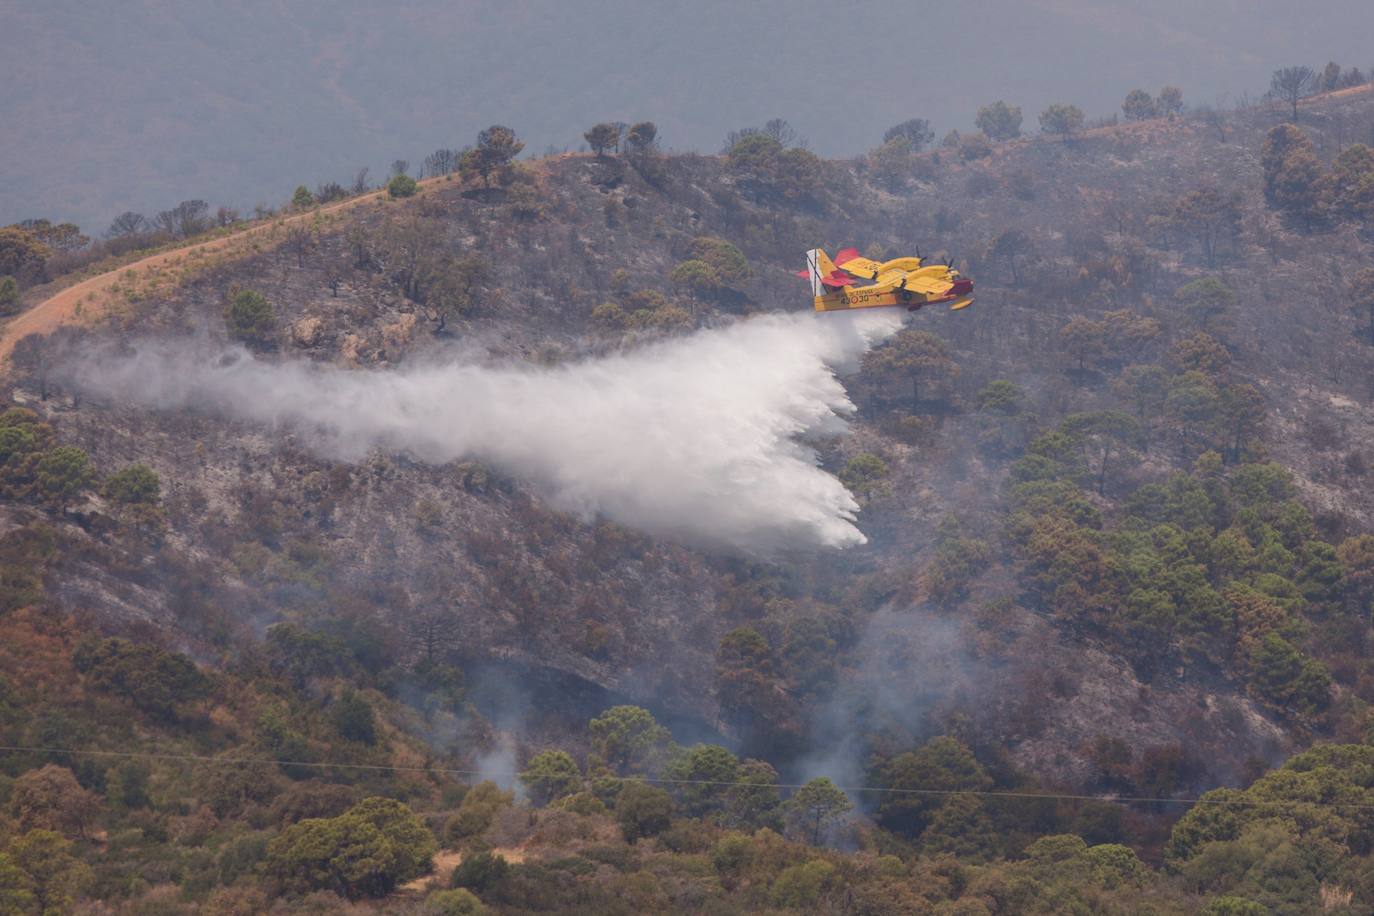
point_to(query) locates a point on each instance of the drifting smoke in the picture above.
(915, 671)
(501, 765)
(700, 438)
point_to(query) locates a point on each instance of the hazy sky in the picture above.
(107, 107)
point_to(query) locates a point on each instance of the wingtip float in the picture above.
(855, 282)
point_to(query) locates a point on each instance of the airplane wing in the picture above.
(931, 285)
(851, 262)
(936, 283)
(933, 280)
(899, 281)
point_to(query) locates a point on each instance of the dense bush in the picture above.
(402, 186)
(249, 317)
(153, 679)
(365, 852)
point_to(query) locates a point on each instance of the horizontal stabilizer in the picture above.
(835, 278)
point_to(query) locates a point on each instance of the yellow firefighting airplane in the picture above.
(901, 281)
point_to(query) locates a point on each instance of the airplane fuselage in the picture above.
(861, 297)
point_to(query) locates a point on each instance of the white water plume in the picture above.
(699, 437)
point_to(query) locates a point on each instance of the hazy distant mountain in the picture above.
(107, 107)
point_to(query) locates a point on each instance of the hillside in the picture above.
(1117, 523)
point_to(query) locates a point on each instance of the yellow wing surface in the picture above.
(863, 268)
(935, 280)
(899, 281)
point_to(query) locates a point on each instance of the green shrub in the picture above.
(583, 803)
(643, 811)
(136, 484)
(63, 473)
(454, 902)
(480, 871)
(729, 265)
(550, 775)
(365, 852)
(696, 275)
(9, 296)
(153, 679)
(477, 811)
(863, 475)
(800, 887)
(354, 719)
(402, 186)
(249, 317)
(754, 151)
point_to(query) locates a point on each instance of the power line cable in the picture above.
(663, 780)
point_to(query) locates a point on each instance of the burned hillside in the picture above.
(1116, 512)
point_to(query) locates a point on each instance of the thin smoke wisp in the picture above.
(703, 438)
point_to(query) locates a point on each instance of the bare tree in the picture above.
(402, 250)
(433, 632)
(360, 184)
(1209, 217)
(735, 136)
(1293, 83)
(360, 243)
(441, 162)
(333, 278)
(299, 241)
(185, 219)
(1214, 118)
(1009, 246)
(330, 191)
(30, 356)
(126, 224)
(781, 131)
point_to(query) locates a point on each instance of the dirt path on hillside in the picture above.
(91, 298)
